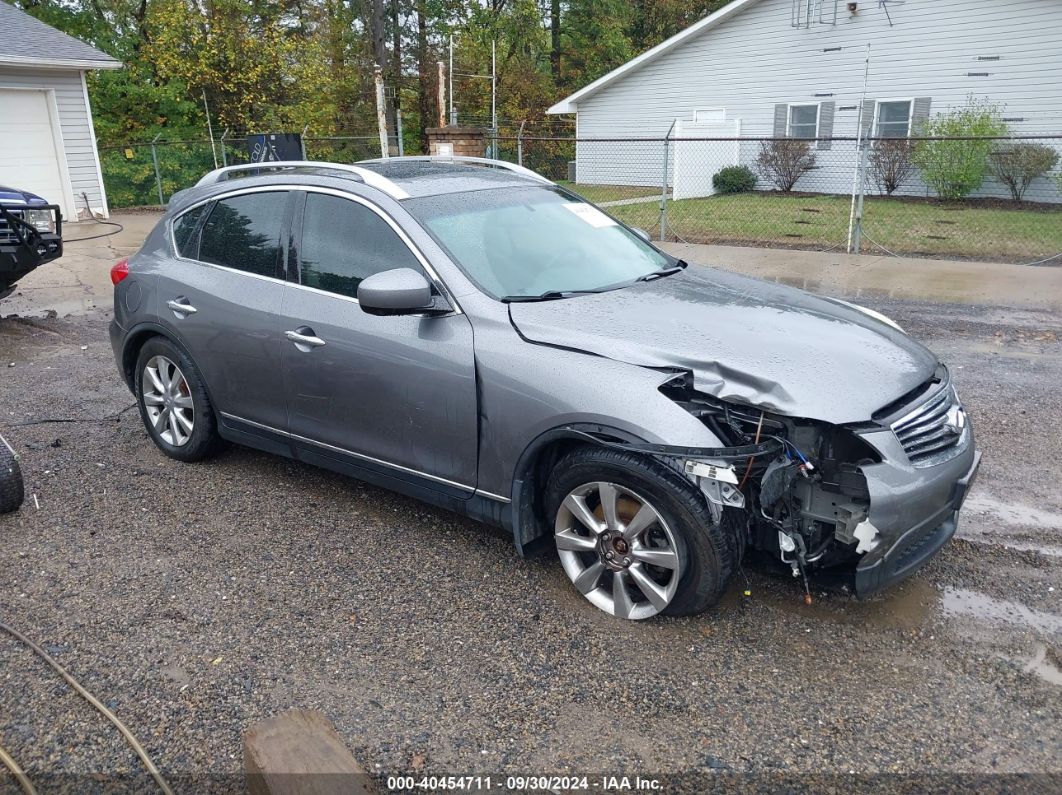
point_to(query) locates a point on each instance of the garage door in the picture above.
(28, 156)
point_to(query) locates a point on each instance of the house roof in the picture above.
(29, 42)
(570, 103)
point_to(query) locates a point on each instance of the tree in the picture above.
(1017, 165)
(891, 164)
(956, 168)
(784, 161)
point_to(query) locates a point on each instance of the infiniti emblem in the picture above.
(955, 420)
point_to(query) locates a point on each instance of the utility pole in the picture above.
(210, 130)
(442, 94)
(381, 111)
(450, 87)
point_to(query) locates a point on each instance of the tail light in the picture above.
(120, 270)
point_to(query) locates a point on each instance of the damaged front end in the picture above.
(868, 502)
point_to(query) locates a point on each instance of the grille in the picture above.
(7, 234)
(932, 432)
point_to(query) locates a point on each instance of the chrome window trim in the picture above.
(295, 437)
(414, 249)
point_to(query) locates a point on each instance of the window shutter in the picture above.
(919, 113)
(781, 120)
(825, 124)
(866, 118)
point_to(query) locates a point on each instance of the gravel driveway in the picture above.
(197, 599)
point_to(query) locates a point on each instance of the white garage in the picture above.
(47, 141)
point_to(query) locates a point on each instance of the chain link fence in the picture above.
(996, 199)
(145, 174)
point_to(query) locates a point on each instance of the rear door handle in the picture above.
(305, 339)
(181, 307)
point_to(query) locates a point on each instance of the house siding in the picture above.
(756, 59)
(75, 123)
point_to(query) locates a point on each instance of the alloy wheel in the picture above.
(618, 550)
(168, 401)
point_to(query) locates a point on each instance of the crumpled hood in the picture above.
(15, 196)
(753, 342)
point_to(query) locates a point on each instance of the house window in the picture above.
(803, 121)
(893, 119)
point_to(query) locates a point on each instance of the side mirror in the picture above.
(401, 291)
(642, 234)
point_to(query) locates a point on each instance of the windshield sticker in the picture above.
(590, 214)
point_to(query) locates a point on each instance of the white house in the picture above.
(47, 143)
(796, 68)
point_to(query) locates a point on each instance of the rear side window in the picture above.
(344, 242)
(184, 228)
(244, 232)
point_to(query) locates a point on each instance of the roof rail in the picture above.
(369, 177)
(481, 161)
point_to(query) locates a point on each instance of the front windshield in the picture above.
(529, 242)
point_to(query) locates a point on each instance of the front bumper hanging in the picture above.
(910, 551)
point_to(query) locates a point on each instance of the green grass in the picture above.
(608, 193)
(968, 231)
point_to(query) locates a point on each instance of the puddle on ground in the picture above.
(905, 607)
(1013, 513)
(1044, 664)
(963, 603)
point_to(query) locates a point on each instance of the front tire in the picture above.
(173, 402)
(635, 537)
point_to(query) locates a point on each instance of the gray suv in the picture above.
(466, 332)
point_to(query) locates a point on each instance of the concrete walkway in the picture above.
(850, 275)
(79, 282)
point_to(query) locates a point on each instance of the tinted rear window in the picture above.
(183, 227)
(244, 232)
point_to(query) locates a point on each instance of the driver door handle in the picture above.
(305, 339)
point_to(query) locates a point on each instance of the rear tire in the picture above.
(173, 402)
(12, 490)
(683, 524)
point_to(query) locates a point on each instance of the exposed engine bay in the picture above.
(805, 497)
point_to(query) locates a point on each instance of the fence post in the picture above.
(663, 186)
(398, 129)
(224, 159)
(302, 141)
(857, 228)
(520, 144)
(158, 177)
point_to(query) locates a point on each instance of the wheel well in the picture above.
(532, 476)
(132, 351)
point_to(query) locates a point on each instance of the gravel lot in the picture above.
(197, 599)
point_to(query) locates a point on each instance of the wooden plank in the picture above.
(300, 752)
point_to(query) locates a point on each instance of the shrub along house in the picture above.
(47, 141)
(795, 68)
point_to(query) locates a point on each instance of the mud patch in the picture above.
(967, 604)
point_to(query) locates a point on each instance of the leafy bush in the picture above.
(1017, 165)
(891, 164)
(734, 179)
(956, 168)
(784, 161)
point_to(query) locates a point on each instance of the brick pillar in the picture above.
(458, 141)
